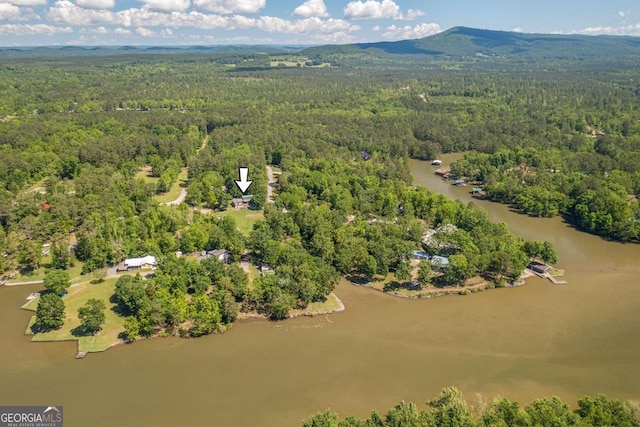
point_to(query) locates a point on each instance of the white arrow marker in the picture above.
(243, 184)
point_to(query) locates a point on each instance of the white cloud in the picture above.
(99, 30)
(622, 30)
(64, 11)
(142, 19)
(621, 14)
(376, 28)
(229, 7)
(166, 32)
(311, 8)
(305, 26)
(143, 32)
(9, 12)
(122, 32)
(413, 14)
(27, 3)
(96, 4)
(408, 32)
(373, 9)
(167, 5)
(517, 29)
(37, 29)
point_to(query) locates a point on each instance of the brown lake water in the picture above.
(539, 339)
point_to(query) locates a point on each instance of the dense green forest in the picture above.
(87, 147)
(450, 409)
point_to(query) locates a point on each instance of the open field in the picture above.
(245, 218)
(76, 297)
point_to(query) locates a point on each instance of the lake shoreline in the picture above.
(82, 352)
(428, 293)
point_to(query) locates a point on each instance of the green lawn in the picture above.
(144, 175)
(176, 188)
(245, 218)
(74, 273)
(331, 304)
(76, 297)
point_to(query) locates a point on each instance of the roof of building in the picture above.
(217, 252)
(420, 254)
(441, 261)
(237, 201)
(247, 198)
(137, 262)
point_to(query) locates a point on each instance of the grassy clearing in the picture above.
(76, 298)
(245, 218)
(330, 305)
(145, 175)
(176, 188)
(391, 286)
(74, 273)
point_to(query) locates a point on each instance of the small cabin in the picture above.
(237, 203)
(459, 182)
(420, 255)
(476, 190)
(219, 254)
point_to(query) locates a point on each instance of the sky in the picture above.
(297, 22)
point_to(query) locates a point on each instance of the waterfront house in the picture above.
(476, 190)
(436, 162)
(539, 268)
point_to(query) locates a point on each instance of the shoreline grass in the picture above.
(76, 297)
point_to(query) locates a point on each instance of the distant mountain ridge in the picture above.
(455, 43)
(459, 42)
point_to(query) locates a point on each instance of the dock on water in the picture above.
(81, 355)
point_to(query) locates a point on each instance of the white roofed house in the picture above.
(144, 263)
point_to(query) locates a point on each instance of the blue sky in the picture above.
(207, 22)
